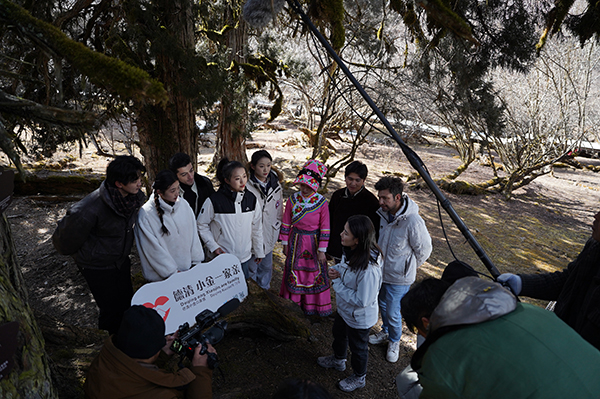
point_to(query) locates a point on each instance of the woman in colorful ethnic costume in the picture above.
(305, 235)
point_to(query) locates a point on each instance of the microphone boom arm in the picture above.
(412, 157)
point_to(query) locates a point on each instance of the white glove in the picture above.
(512, 280)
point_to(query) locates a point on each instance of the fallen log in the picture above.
(63, 185)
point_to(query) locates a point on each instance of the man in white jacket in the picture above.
(406, 245)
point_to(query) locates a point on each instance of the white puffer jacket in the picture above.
(271, 204)
(162, 255)
(232, 221)
(356, 293)
(405, 242)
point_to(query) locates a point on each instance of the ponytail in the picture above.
(163, 180)
(161, 212)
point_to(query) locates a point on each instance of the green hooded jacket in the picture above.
(481, 343)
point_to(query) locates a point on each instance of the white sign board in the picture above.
(182, 296)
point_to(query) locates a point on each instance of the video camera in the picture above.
(190, 337)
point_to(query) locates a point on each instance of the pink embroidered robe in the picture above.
(305, 229)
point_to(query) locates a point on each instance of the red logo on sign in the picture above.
(161, 300)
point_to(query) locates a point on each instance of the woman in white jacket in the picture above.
(230, 220)
(264, 184)
(356, 281)
(165, 231)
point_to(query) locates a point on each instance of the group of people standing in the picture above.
(184, 223)
(375, 244)
(382, 241)
(185, 210)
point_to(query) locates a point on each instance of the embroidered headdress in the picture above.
(311, 174)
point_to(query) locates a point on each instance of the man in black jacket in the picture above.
(194, 188)
(98, 232)
(354, 199)
(575, 289)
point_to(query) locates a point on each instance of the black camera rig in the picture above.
(188, 338)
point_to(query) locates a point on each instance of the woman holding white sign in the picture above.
(165, 231)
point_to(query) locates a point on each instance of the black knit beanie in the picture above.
(142, 333)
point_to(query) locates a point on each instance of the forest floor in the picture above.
(542, 228)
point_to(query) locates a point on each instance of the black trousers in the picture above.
(357, 339)
(112, 291)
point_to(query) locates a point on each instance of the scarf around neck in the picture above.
(125, 205)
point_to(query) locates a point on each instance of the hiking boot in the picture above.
(330, 362)
(352, 383)
(379, 338)
(393, 352)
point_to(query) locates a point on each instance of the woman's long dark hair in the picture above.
(366, 250)
(257, 156)
(163, 181)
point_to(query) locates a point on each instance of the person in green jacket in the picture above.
(482, 343)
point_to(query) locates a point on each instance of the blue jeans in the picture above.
(262, 272)
(389, 307)
(246, 268)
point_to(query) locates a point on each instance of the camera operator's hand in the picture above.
(202, 360)
(170, 339)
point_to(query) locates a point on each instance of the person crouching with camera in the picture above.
(127, 364)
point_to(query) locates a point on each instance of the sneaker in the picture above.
(379, 338)
(330, 362)
(352, 383)
(393, 352)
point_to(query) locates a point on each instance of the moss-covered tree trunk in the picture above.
(233, 111)
(163, 131)
(30, 376)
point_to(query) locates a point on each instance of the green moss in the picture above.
(452, 20)
(409, 16)
(459, 187)
(440, 11)
(334, 13)
(119, 77)
(542, 42)
(276, 109)
(7, 390)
